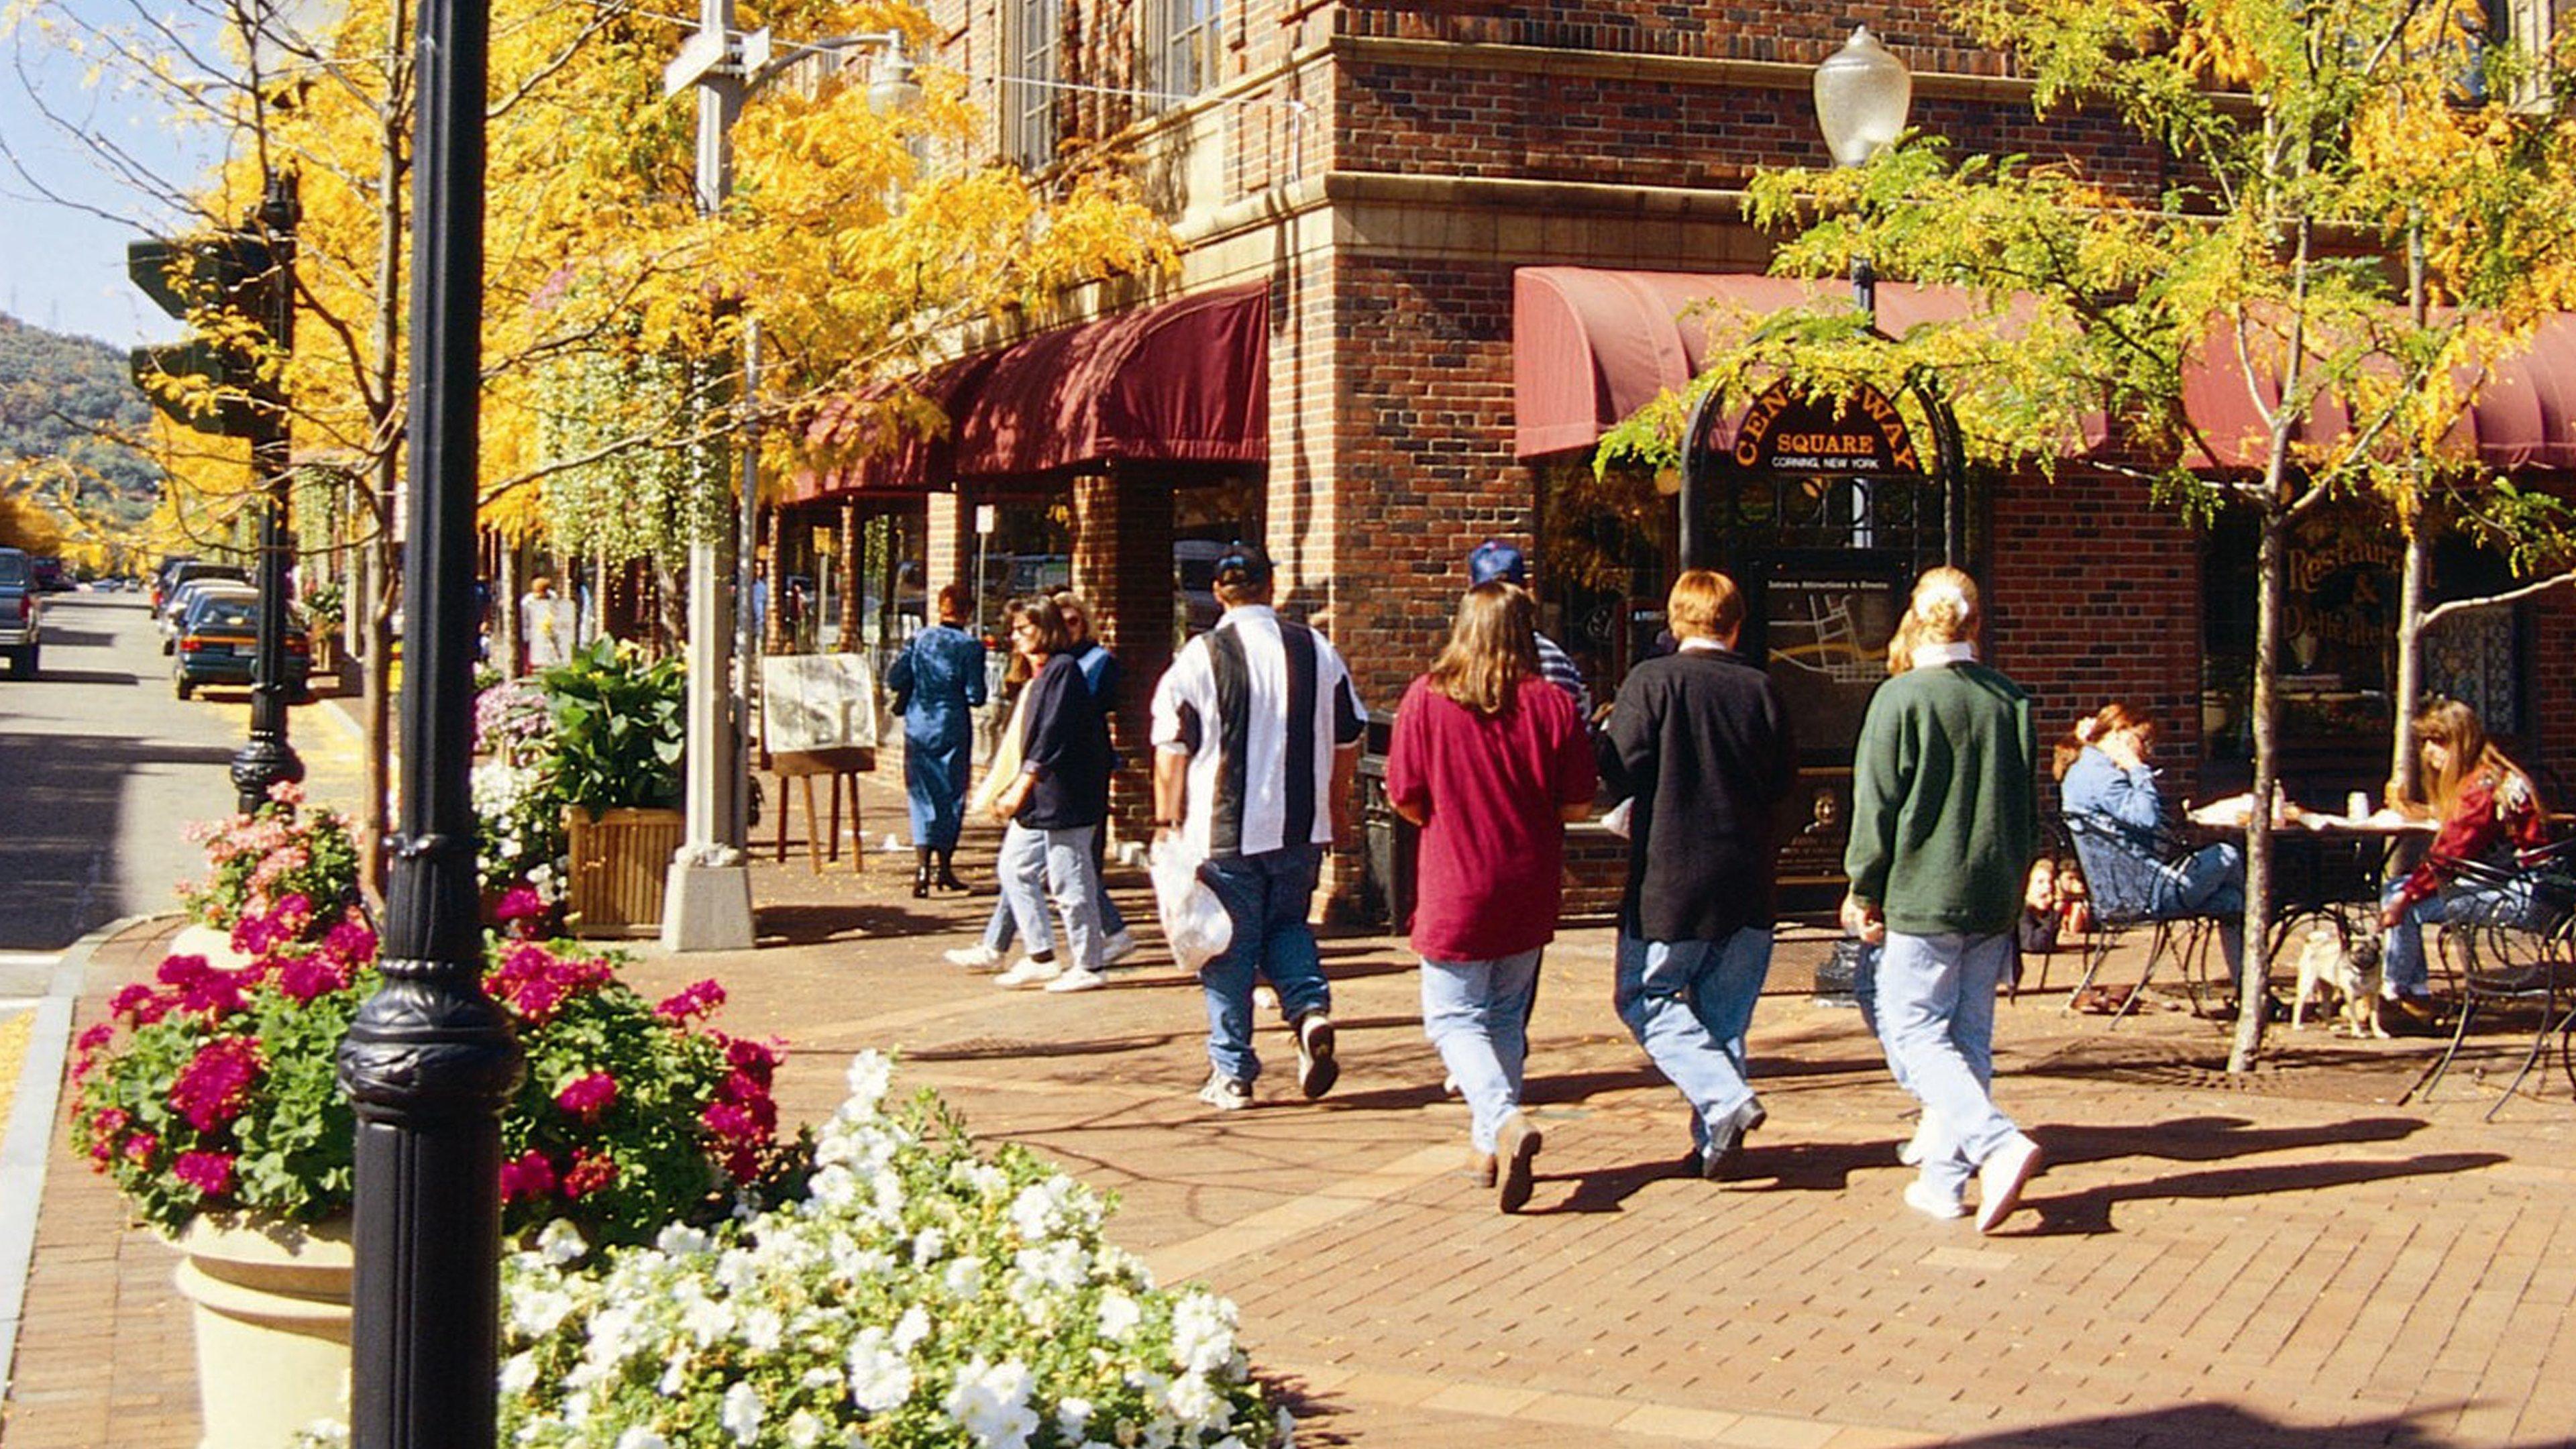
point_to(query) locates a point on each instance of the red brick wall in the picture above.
(1122, 562)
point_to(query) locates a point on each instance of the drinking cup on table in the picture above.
(2357, 804)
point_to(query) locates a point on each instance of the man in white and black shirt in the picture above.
(1256, 732)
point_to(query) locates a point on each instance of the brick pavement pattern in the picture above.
(2289, 1260)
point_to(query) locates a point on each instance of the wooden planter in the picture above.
(271, 1304)
(619, 863)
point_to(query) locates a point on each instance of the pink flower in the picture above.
(691, 1002)
(756, 1060)
(141, 1146)
(214, 1086)
(210, 1173)
(204, 989)
(519, 903)
(350, 941)
(587, 1097)
(286, 792)
(527, 1176)
(139, 1004)
(303, 978)
(730, 1121)
(534, 982)
(587, 1175)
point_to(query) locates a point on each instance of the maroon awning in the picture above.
(1185, 381)
(883, 456)
(1591, 346)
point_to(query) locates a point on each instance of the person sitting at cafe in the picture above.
(2105, 783)
(2488, 809)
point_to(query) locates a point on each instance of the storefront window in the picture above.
(1606, 547)
(1207, 516)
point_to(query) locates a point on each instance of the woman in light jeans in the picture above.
(1054, 806)
(1490, 759)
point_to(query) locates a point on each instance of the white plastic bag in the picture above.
(1616, 821)
(1194, 920)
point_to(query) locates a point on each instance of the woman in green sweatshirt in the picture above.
(1944, 820)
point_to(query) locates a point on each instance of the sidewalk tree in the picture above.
(2315, 142)
(863, 262)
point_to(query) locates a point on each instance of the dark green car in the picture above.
(218, 643)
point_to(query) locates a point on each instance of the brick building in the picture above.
(1395, 218)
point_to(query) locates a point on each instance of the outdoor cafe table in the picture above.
(2320, 861)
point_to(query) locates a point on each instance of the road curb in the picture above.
(28, 1146)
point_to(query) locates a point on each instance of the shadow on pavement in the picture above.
(53, 675)
(2089, 1212)
(78, 780)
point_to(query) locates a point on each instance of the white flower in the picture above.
(1070, 1417)
(910, 1329)
(836, 1187)
(1194, 1403)
(990, 1402)
(707, 1321)
(534, 1312)
(962, 1277)
(879, 1380)
(679, 1240)
(762, 1329)
(741, 1415)
(518, 1374)
(927, 1245)
(560, 1241)
(1286, 1428)
(1202, 1332)
(804, 1431)
(869, 1075)
(640, 1438)
(1119, 1316)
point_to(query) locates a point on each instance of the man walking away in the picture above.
(1944, 824)
(1700, 741)
(1256, 731)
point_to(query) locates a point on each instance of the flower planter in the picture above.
(271, 1307)
(619, 864)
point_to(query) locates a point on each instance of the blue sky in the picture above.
(62, 267)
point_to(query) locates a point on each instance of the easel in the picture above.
(836, 766)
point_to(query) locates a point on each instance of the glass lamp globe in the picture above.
(1862, 95)
(892, 89)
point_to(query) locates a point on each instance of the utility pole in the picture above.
(430, 1059)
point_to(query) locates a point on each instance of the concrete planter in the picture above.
(270, 1302)
(620, 863)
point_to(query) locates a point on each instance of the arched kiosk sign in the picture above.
(1824, 509)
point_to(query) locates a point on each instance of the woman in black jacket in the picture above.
(1055, 807)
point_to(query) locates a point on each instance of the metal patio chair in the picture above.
(2121, 867)
(2519, 950)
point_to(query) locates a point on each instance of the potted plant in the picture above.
(615, 760)
(209, 1097)
(255, 861)
(916, 1294)
(520, 834)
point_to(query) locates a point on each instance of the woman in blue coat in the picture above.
(935, 681)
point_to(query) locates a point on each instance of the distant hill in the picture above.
(57, 394)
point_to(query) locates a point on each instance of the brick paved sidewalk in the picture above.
(2285, 1260)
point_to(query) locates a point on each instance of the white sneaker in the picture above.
(1264, 998)
(1118, 948)
(1932, 1202)
(1078, 979)
(1226, 1094)
(2000, 1180)
(1029, 971)
(978, 957)
(1911, 1151)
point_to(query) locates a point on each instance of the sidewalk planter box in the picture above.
(270, 1303)
(619, 864)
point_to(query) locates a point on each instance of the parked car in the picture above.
(174, 617)
(179, 571)
(49, 575)
(21, 618)
(219, 644)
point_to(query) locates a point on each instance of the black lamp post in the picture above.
(1862, 94)
(430, 1059)
(267, 757)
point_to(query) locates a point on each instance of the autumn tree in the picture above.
(2321, 145)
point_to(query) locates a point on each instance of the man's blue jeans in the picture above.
(1265, 897)
(1936, 1015)
(1689, 1003)
(1477, 1016)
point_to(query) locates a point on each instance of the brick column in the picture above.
(1122, 562)
(850, 620)
(947, 544)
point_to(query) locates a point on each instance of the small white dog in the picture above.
(2352, 975)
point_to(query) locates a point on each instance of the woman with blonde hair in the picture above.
(1490, 759)
(2488, 809)
(1945, 821)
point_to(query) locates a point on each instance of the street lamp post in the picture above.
(268, 756)
(430, 1059)
(706, 897)
(1862, 95)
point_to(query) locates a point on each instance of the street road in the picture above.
(100, 768)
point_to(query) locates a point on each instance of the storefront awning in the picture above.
(1186, 381)
(897, 459)
(1591, 346)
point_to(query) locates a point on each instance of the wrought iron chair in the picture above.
(2516, 945)
(2121, 868)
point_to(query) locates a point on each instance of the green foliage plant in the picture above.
(619, 728)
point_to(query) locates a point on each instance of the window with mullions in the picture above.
(1188, 45)
(1030, 95)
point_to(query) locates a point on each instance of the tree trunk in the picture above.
(2408, 686)
(2253, 980)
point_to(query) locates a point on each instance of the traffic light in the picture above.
(236, 273)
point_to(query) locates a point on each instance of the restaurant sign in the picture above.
(1860, 432)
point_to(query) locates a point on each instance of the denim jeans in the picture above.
(1265, 897)
(2210, 883)
(1004, 926)
(1865, 996)
(1936, 1015)
(1041, 865)
(1689, 1003)
(1477, 1016)
(2402, 968)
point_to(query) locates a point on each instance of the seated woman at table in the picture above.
(2488, 808)
(2102, 773)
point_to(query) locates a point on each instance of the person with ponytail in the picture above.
(2488, 809)
(2103, 778)
(1945, 821)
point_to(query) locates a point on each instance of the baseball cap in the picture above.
(1495, 559)
(1242, 565)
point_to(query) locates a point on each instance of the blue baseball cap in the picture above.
(1242, 566)
(1495, 559)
